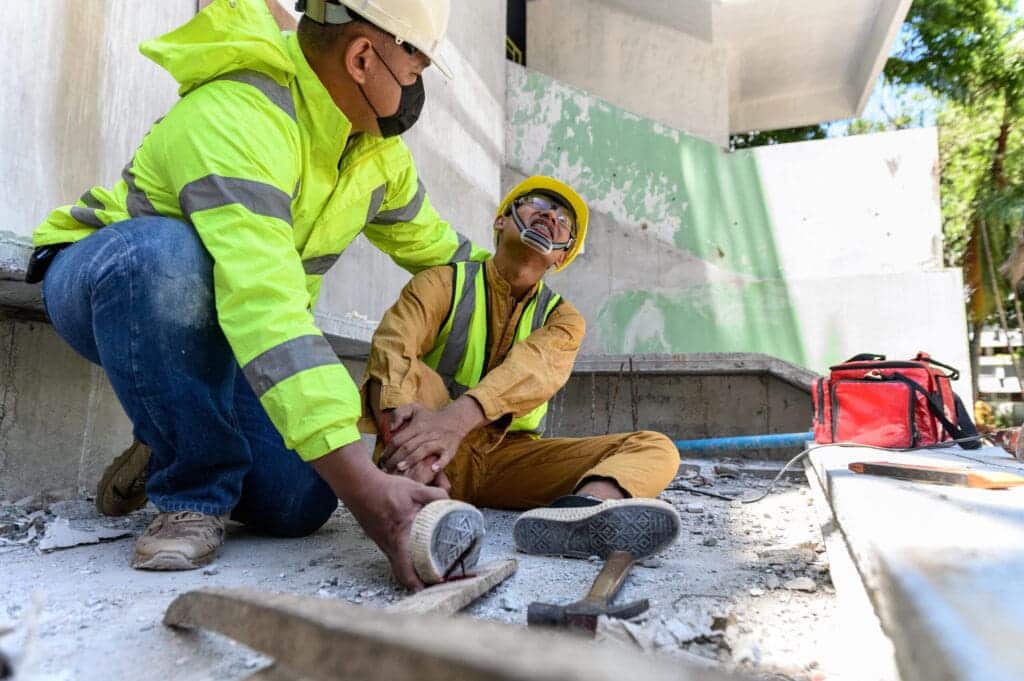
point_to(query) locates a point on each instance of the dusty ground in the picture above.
(719, 593)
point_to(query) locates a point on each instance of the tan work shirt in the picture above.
(516, 379)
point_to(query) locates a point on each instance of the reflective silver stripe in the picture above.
(91, 201)
(214, 191)
(464, 250)
(458, 337)
(376, 199)
(137, 203)
(278, 95)
(87, 216)
(406, 212)
(455, 389)
(321, 264)
(540, 312)
(286, 360)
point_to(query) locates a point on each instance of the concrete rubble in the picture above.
(701, 610)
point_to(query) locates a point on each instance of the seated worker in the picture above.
(460, 372)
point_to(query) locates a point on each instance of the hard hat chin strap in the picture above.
(535, 239)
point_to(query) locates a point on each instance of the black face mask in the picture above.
(410, 104)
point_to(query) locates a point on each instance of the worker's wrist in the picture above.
(348, 471)
(467, 414)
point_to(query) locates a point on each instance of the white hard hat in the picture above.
(421, 23)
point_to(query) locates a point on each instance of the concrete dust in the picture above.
(721, 602)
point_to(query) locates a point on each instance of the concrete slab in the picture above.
(943, 565)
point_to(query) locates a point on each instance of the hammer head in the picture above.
(581, 615)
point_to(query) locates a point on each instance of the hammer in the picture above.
(583, 614)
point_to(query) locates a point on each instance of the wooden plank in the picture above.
(450, 597)
(328, 639)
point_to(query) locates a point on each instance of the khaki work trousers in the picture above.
(521, 472)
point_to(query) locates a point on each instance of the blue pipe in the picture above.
(776, 441)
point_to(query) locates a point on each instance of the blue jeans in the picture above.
(137, 298)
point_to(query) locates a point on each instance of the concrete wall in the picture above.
(809, 252)
(78, 98)
(641, 65)
(686, 397)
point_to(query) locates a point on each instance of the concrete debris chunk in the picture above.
(724, 470)
(74, 509)
(772, 582)
(801, 584)
(694, 507)
(60, 535)
(692, 624)
(796, 556)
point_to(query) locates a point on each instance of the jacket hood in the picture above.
(228, 35)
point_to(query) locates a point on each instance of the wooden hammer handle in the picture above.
(611, 578)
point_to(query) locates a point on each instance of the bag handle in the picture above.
(954, 431)
(954, 375)
(866, 357)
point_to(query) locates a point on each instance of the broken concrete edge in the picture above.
(699, 363)
(874, 656)
(946, 617)
(330, 639)
(933, 639)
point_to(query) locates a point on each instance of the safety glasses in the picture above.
(563, 214)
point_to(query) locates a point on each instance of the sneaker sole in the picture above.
(172, 561)
(641, 526)
(442, 533)
(130, 464)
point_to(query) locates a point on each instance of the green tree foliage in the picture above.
(969, 54)
(759, 138)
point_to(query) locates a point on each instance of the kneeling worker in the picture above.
(460, 373)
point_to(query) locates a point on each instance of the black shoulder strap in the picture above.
(953, 430)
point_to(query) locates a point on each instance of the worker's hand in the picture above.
(384, 505)
(386, 515)
(418, 432)
(424, 473)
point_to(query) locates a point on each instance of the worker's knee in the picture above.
(661, 455)
(173, 273)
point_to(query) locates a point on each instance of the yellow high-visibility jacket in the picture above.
(256, 156)
(459, 354)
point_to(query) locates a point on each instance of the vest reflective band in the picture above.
(459, 354)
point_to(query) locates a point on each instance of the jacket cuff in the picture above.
(492, 406)
(323, 444)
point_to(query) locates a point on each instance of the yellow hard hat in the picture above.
(549, 185)
(421, 23)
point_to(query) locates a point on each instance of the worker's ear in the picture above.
(357, 56)
(559, 258)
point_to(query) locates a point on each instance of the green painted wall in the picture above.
(675, 188)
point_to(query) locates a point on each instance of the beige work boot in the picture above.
(579, 527)
(446, 538)
(122, 489)
(179, 540)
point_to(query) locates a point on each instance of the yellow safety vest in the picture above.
(257, 157)
(460, 352)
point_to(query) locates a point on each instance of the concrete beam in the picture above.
(942, 565)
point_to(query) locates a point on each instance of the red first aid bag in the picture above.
(868, 400)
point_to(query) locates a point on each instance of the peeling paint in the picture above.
(681, 192)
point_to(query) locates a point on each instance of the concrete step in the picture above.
(942, 565)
